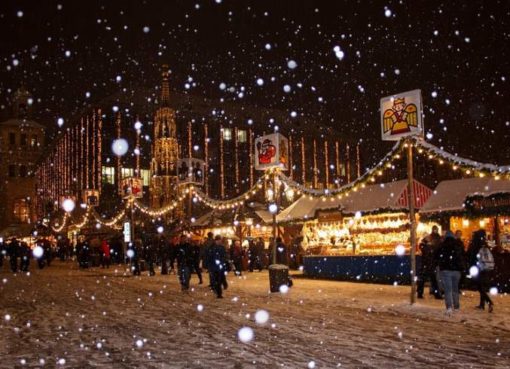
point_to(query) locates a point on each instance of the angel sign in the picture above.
(401, 115)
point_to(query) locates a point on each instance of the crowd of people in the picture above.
(446, 263)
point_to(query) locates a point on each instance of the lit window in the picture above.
(227, 134)
(21, 210)
(146, 175)
(242, 136)
(126, 172)
(33, 141)
(108, 175)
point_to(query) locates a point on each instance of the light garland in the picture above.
(113, 222)
(466, 166)
(230, 203)
(360, 182)
(162, 211)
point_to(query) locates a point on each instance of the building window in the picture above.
(21, 210)
(126, 172)
(227, 134)
(146, 175)
(12, 138)
(22, 171)
(23, 140)
(12, 170)
(33, 141)
(242, 136)
(108, 175)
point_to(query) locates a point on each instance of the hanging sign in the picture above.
(191, 170)
(132, 186)
(127, 232)
(90, 197)
(401, 115)
(271, 151)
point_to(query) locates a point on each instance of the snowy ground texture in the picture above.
(64, 317)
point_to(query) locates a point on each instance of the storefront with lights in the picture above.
(468, 205)
(364, 236)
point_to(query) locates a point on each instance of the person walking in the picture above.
(236, 255)
(216, 265)
(196, 256)
(163, 254)
(184, 262)
(149, 254)
(135, 249)
(481, 257)
(25, 256)
(427, 271)
(281, 252)
(14, 251)
(450, 260)
(3, 252)
(208, 243)
(254, 255)
(105, 254)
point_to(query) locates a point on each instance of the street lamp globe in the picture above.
(68, 205)
(273, 208)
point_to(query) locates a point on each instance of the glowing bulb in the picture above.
(68, 205)
(120, 147)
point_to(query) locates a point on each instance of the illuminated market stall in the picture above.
(364, 236)
(468, 205)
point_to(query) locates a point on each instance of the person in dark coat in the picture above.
(254, 256)
(3, 252)
(427, 270)
(208, 243)
(451, 261)
(163, 254)
(296, 252)
(46, 244)
(184, 262)
(105, 254)
(14, 250)
(216, 265)
(196, 252)
(172, 253)
(281, 252)
(483, 278)
(25, 254)
(236, 255)
(134, 252)
(149, 254)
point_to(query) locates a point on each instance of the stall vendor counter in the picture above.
(363, 268)
(388, 269)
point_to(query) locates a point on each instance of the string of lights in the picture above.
(466, 166)
(369, 176)
(230, 203)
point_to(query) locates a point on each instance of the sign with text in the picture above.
(401, 115)
(271, 151)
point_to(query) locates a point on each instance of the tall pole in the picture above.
(274, 217)
(132, 200)
(412, 218)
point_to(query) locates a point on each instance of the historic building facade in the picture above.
(21, 145)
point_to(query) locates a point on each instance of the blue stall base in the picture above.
(380, 269)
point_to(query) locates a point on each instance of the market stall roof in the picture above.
(228, 216)
(385, 196)
(17, 230)
(451, 195)
(390, 196)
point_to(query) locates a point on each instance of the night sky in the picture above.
(347, 55)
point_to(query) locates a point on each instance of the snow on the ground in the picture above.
(65, 317)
